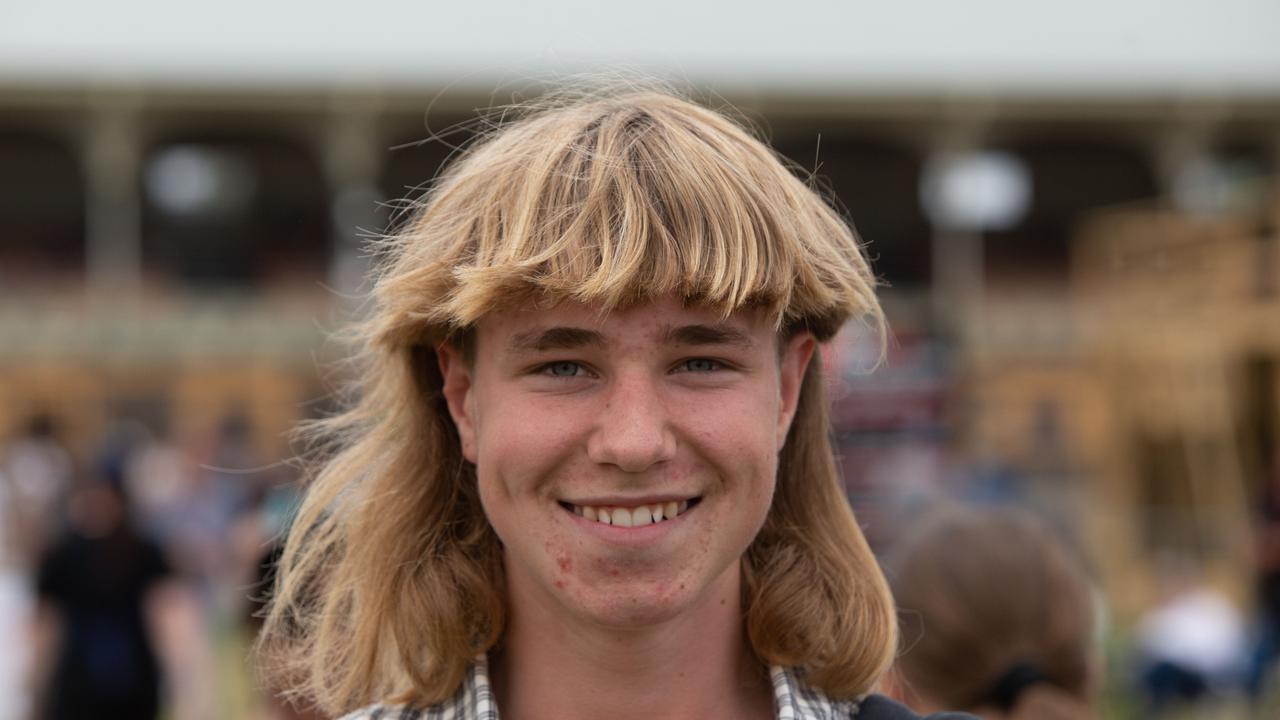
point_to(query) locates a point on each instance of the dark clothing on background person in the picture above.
(879, 707)
(105, 666)
(1266, 649)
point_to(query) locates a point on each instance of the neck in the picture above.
(695, 665)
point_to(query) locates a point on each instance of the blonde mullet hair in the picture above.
(391, 579)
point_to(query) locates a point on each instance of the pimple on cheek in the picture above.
(565, 565)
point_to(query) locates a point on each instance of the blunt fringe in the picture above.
(391, 579)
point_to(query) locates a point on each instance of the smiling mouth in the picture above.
(634, 516)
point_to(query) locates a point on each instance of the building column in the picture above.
(1184, 162)
(958, 277)
(111, 154)
(353, 152)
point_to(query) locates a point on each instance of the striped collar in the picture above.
(792, 699)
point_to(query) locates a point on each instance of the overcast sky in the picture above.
(1227, 46)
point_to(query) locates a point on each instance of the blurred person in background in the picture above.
(35, 475)
(224, 492)
(997, 618)
(1191, 644)
(110, 616)
(192, 499)
(159, 477)
(259, 539)
(15, 607)
(36, 471)
(1262, 681)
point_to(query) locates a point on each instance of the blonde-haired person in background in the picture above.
(588, 471)
(997, 618)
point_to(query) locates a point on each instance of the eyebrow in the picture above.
(555, 338)
(720, 334)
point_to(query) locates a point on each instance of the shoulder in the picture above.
(878, 707)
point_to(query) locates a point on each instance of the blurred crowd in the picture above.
(129, 583)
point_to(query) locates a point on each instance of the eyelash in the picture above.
(715, 364)
(547, 369)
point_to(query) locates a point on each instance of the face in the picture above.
(626, 460)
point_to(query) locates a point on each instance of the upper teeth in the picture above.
(632, 516)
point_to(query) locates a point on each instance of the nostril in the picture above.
(632, 449)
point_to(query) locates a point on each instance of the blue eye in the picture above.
(563, 368)
(700, 365)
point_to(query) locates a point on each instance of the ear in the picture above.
(794, 363)
(456, 373)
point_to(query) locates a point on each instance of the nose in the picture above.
(633, 431)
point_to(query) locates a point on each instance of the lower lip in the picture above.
(619, 535)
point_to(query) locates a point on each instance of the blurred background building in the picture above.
(1074, 209)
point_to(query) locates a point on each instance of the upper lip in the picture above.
(600, 501)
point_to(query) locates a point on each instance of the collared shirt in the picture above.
(792, 700)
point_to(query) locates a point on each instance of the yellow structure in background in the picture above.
(181, 366)
(1141, 402)
(1181, 326)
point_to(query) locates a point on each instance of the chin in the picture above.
(623, 612)
(622, 605)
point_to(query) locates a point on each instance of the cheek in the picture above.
(739, 429)
(521, 449)
(514, 435)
